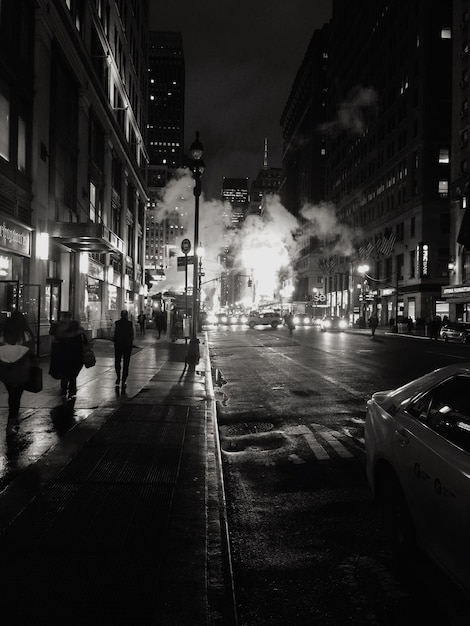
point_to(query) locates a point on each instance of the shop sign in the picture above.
(15, 238)
(456, 290)
(423, 259)
(94, 290)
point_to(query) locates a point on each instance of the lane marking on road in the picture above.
(317, 449)
(296, 459)
(330, 437)
(320, 374)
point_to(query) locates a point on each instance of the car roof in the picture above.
(402, 395)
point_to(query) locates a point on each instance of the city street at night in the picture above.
(307, 540)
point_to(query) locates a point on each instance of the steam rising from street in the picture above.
(264, 248)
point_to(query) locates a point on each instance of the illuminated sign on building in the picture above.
(15, 238)
(422, 258)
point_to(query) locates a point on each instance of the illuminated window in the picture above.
(443, 188)
(444, 155)
(446, 33)
(92, 202)
(4, 128)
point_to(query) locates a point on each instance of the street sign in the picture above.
(182, 261)
(185, 246)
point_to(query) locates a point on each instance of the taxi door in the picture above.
(434, 469)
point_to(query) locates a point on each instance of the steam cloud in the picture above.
(351, 114)
(323, 223)
(264, 246)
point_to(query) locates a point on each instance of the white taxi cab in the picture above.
(418, 465)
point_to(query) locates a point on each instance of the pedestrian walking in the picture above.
(160, 322)
(16, 352)
(67, 343)
(123, 340)
(289, 321)
(142, 319)
(373, 323)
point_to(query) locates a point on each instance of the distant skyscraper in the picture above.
(165, 140)
(268, 181)
(235, 191)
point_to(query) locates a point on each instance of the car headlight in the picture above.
(343, 324)
(233, 319)
(296, 320)
(326, 323)
(243, 319)
(212, 319)
(306, 320)
(224, 319)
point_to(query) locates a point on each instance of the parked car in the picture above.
(333, 322)
(266, 318)
(417, 441)
(456, 331)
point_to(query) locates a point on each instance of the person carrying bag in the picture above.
(16, 354)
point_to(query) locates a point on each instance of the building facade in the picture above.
(387, 158)
(304, 155)
(457, 291)
(165, 140)
(73, 99)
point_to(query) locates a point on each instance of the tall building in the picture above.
(304, 155)
(72, 160)
(387, 158)
(267, 182)
(235, 191)
(165, 140)
(457, 292)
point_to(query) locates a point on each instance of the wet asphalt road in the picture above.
(307, 541)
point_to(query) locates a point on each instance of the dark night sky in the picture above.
(241, 60)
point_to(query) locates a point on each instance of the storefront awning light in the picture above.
(42, 245)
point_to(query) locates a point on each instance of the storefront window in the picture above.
(93, 306)
(112, 297)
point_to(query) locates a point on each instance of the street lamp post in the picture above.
(192, 357)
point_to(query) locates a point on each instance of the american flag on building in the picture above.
(386, 245)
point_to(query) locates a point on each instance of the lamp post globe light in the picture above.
(197, 167)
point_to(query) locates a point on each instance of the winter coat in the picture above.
(123, 334)
(67, 350)
(15, 361)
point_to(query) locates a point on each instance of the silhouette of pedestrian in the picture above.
(16, 352)
(289, 319)
(373, 323)
(67, 354)
(142, 319)
(123, 340)
(160, 322)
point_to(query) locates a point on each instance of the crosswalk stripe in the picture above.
(336, 445)
(317, 449)
(331, 438)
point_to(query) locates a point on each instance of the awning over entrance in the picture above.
(86, 237)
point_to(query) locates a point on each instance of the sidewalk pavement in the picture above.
(112, 506)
